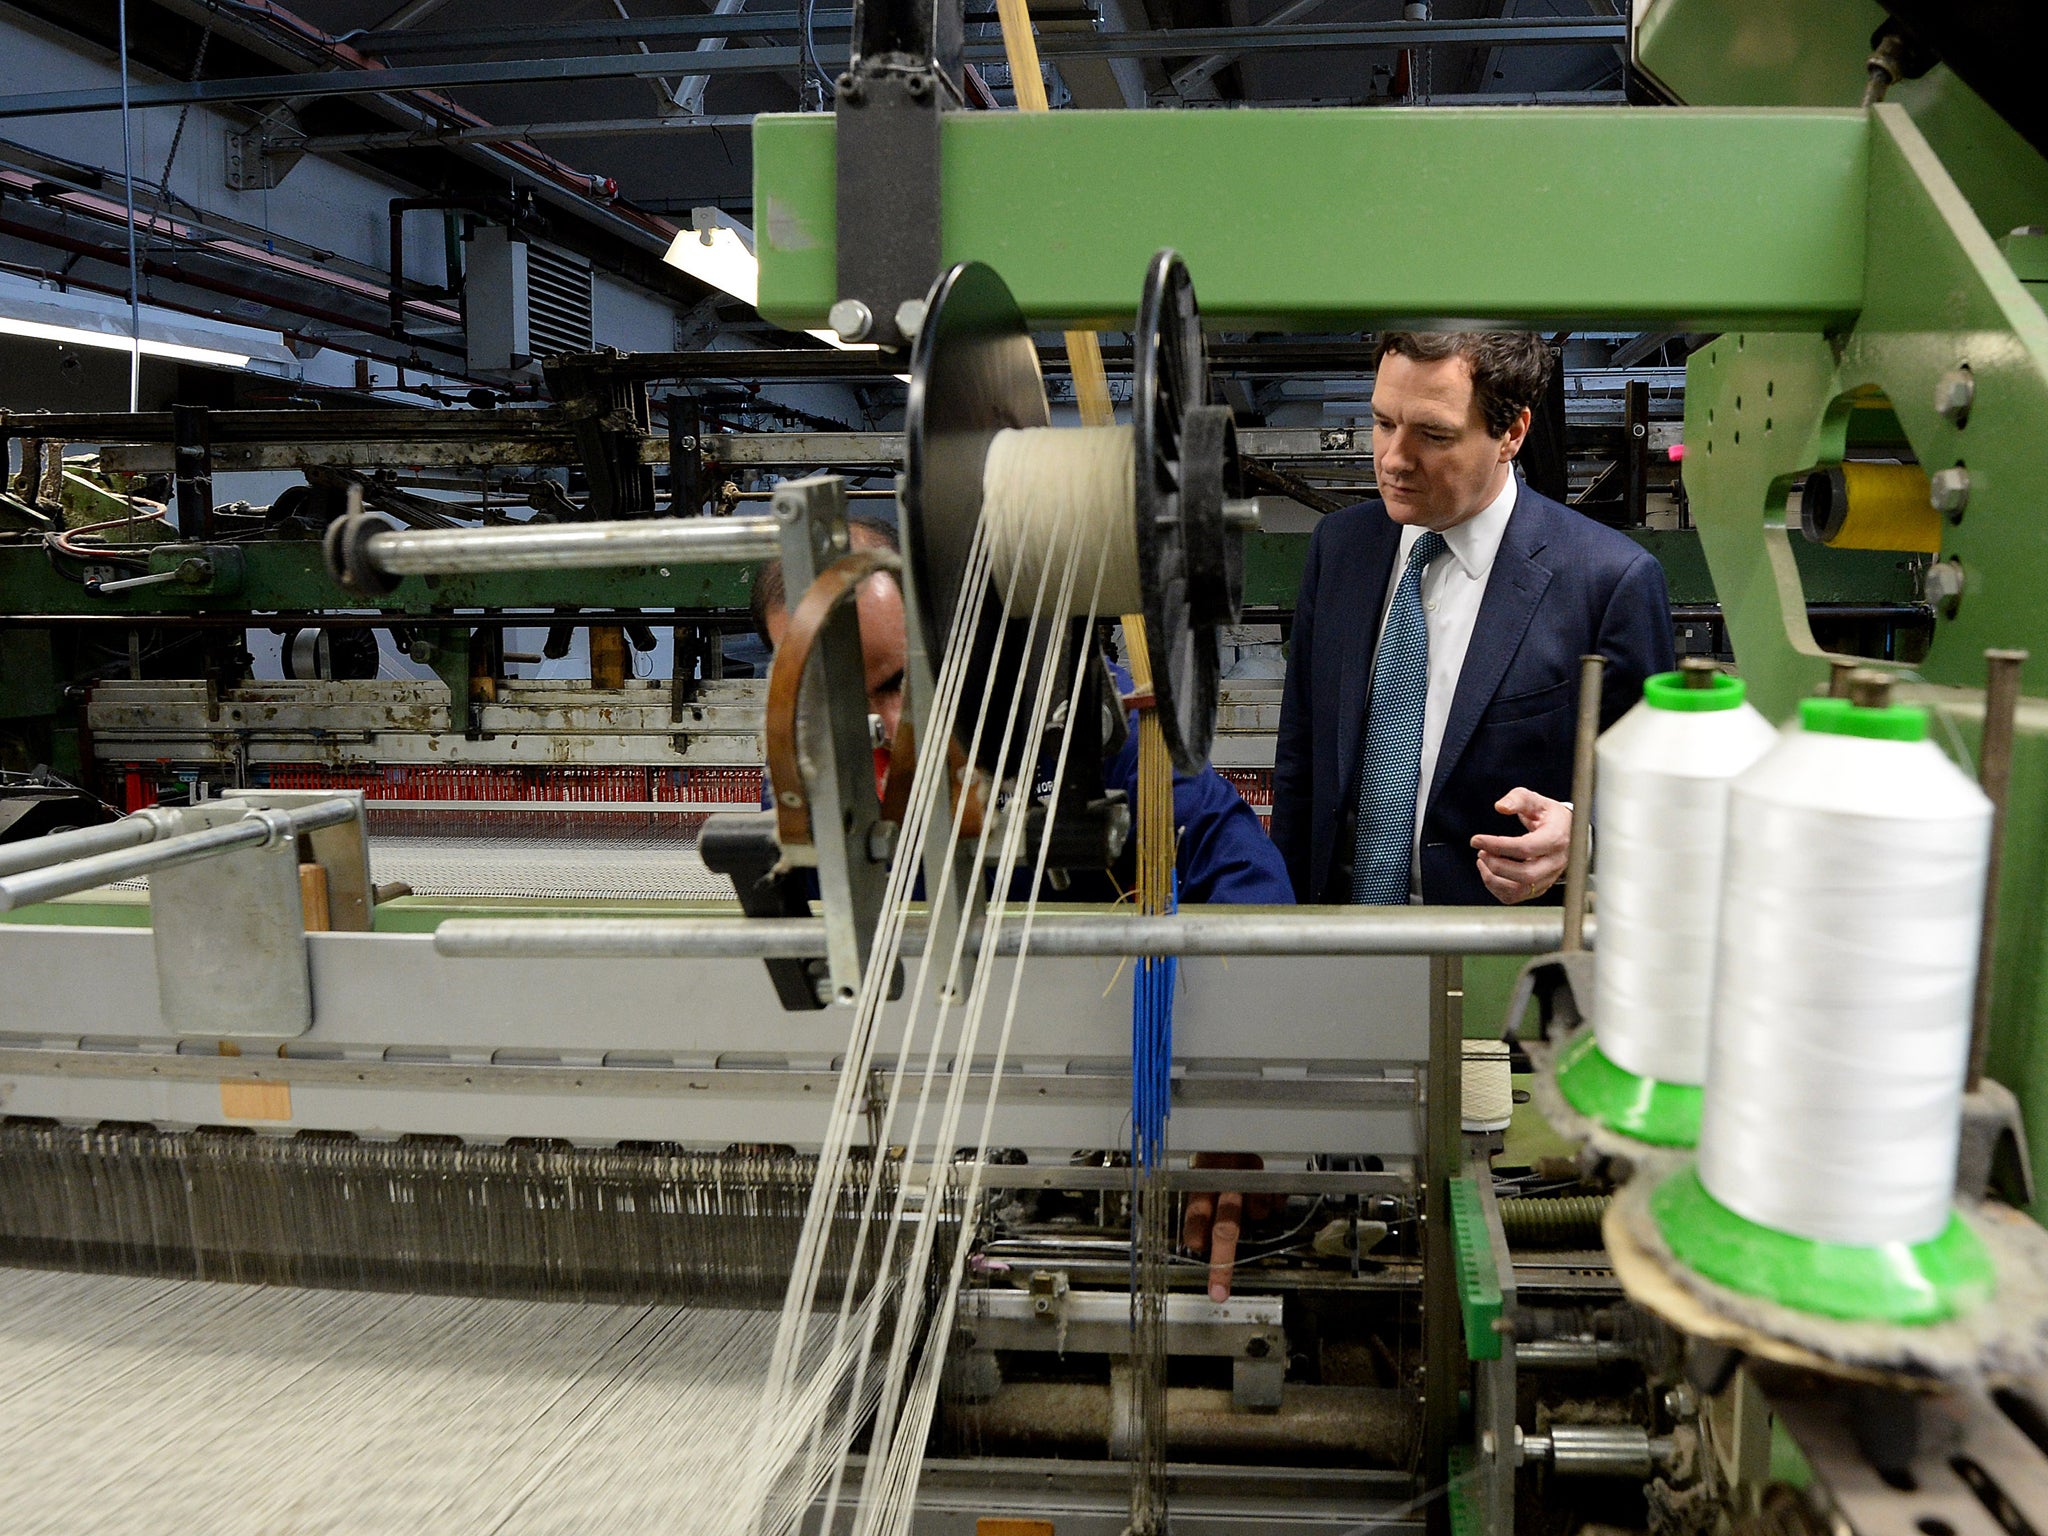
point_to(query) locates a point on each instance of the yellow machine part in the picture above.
(1871, 506)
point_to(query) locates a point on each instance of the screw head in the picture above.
(919, 86)
(910, 318)
(852, 319)
(1949, 491)
(849, 89)
(1954, 392)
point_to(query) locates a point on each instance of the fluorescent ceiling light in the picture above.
(35, 311)
(720, 251)
(78, 336)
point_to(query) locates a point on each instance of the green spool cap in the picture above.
(1902, 1283)
(1839, 717)
(1678, 692)
(1663, 1114)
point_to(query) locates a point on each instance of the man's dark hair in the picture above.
(1509, 368)
(768, 596)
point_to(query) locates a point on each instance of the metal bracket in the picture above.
(906, 67)
(834, 744)
(343, 851)
(257, 162)
(230, 938)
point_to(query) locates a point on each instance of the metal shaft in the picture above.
(574, 546)
(1301, 931)
(1994, 772)
(57, 847)
(254, 830)
(1587, 738)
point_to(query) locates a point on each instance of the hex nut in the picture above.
(1954, 393)
(852, 319)
(1949, 491)
(1943, 587)
(910, 318)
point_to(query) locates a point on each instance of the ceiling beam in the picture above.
(1176, 43)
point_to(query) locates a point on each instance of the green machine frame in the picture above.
(1848, 257)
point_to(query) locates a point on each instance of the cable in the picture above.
(808, 36)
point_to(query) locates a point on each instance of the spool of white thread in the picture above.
(1665, 768)
(1044, 488)
(1487, 1087)
(1853, 888)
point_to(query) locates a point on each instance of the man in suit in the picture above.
(1425, 746)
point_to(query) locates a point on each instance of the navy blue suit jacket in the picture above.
(1562, 586)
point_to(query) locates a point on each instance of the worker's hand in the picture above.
(1214, 1220)
(1523, 868)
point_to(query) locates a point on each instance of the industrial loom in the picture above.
(472, 1208)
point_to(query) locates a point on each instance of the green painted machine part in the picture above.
(1479, 1298)
(1731, 218)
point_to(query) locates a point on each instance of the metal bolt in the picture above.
(919, 86)
(910, 318)
(687, 444)
(853, 320)
(1943, 587)
(1486, 1442)
(1870, 688)
(1680, 1403)
(787, 508)
(1949, 490)
(1953, 393)
(849, 89)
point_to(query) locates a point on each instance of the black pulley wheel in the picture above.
(974, 372)
(1186, 454)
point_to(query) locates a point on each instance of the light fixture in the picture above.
(74, 335)
(719, 250)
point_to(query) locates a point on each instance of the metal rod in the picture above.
(257, 829)
(1994, 772)
(1583, 745)
(128, 199)
(57, 847)
(1298, 931)
(574, 546)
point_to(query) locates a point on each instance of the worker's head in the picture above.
(883, 639)
(1450, 410)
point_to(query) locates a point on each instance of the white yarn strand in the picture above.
(818, 1400)
(1043, 486)
(1853, 889)
(1663, 820)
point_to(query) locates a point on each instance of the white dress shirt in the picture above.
(1453, 586)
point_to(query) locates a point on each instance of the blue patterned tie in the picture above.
(1389, 773)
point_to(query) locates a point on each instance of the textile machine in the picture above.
(602, 1070)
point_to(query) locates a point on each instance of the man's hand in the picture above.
(1214, 1220)
(1523, 868)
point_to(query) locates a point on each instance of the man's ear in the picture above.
(1516, 434)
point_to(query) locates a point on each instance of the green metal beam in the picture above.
(289, 577)
(1763, 409)
(1349, 218)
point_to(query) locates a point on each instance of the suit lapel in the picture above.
(1513, 589)
(1361, 621)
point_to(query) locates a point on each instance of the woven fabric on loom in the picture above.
(142, 1406)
